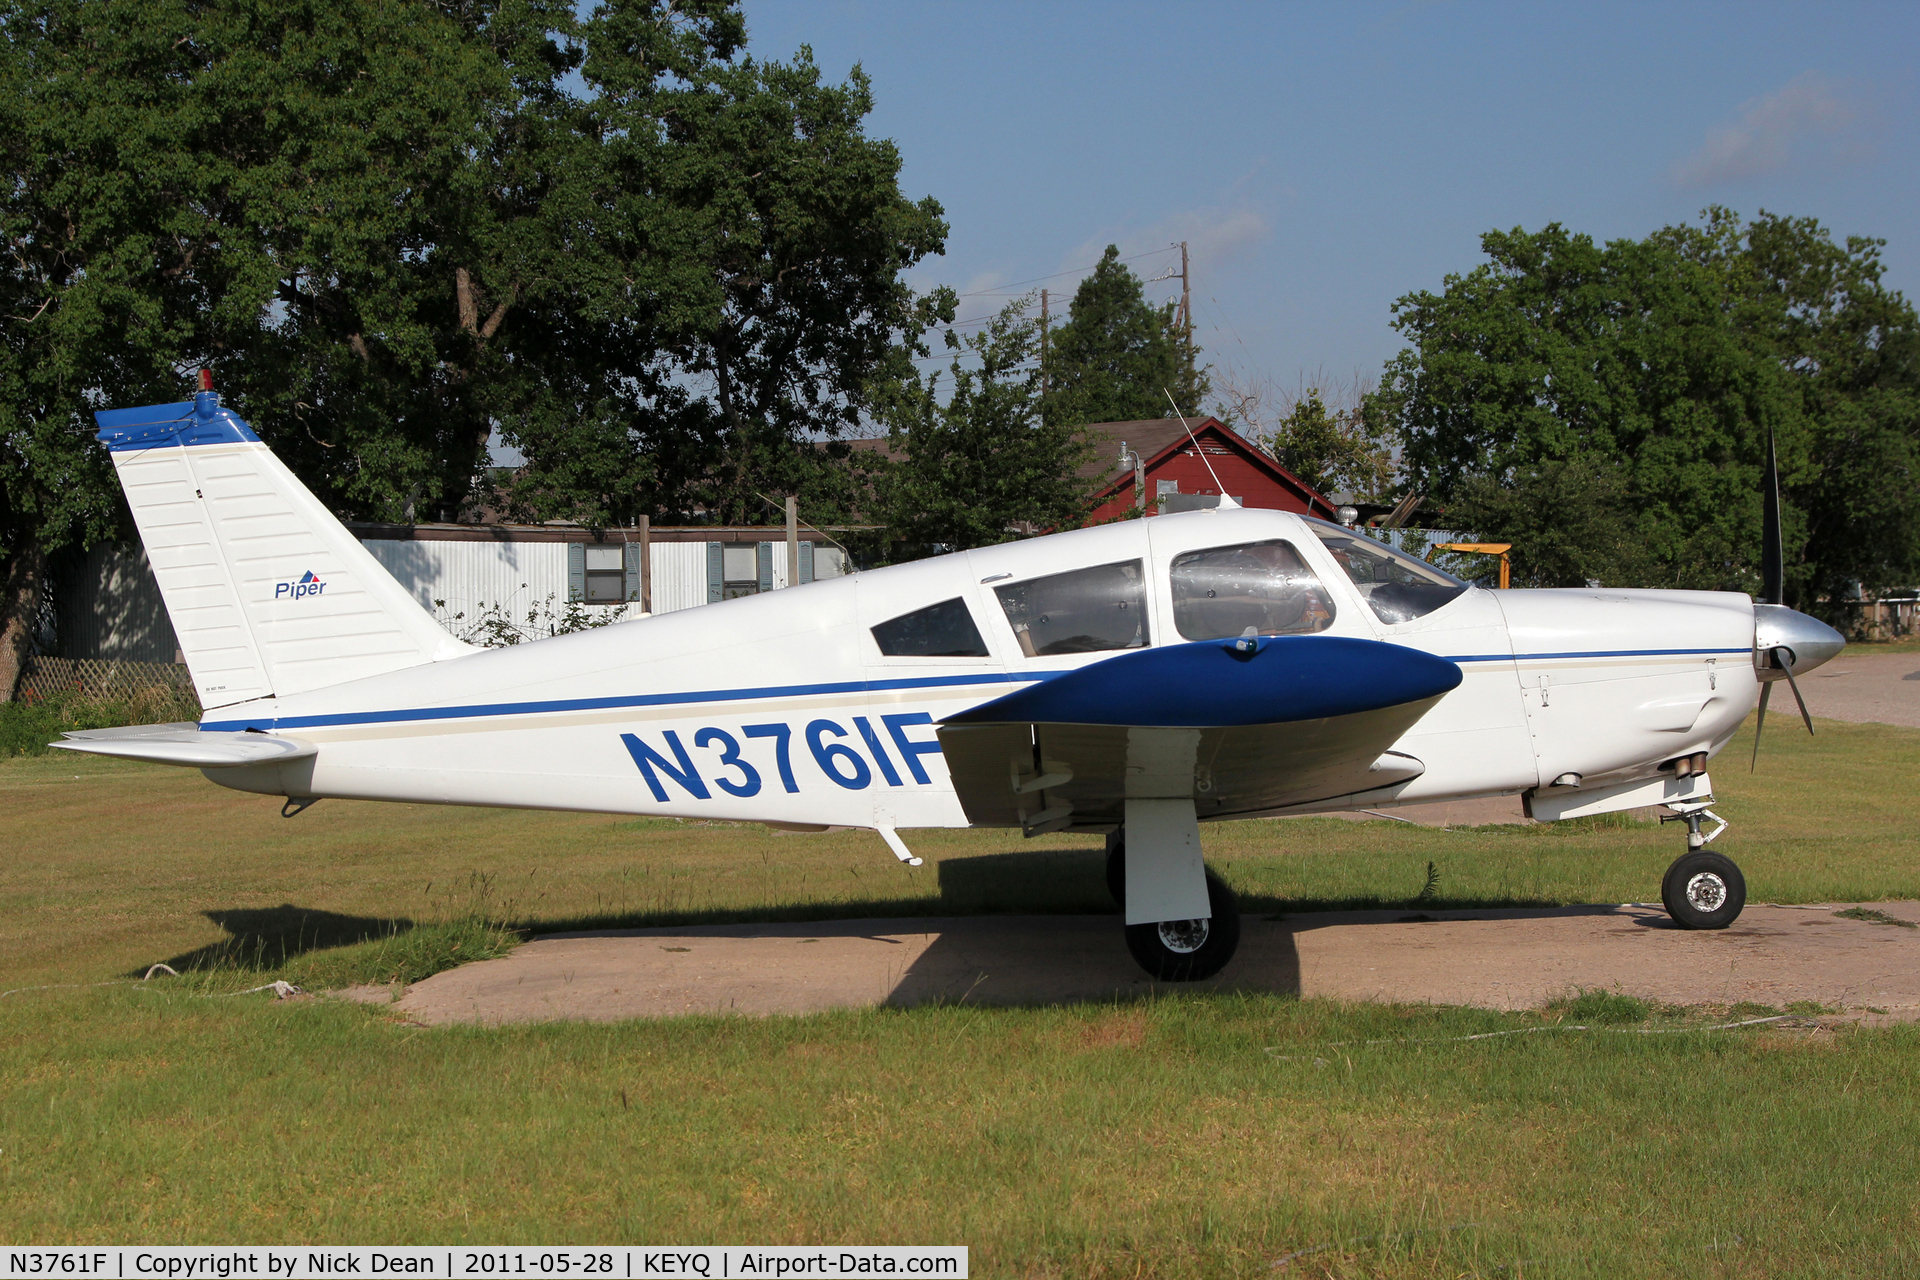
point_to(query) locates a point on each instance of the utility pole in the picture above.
(646, 564)
(793, 541)
(1043, 344)
(1186, 316)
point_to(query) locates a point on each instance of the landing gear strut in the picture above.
(1702, 889)
(1179, 950)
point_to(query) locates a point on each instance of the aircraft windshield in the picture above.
(1397, 587)
(1257, 588)
(1084, 611)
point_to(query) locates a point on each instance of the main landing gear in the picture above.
(1702, 889)
(1179, 950)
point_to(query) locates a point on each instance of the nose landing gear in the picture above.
(1702, 889)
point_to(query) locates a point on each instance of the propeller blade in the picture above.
(1773, 572)
(1785, 658)
(1766, 691)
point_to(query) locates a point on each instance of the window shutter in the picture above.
(806, 562)
(716, 573)
(630, 561)
(766, 566)
(576, 571)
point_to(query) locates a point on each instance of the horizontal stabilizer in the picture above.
(184, 744)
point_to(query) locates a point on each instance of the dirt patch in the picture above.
(1503, 959)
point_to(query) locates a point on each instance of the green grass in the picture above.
(1198, 1135)
(1905, 644)
(1876, 917)
(1183, 1137)
(114, 866)
(27, 728)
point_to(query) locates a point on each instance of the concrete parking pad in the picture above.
(1861, 686)
(1503, 959)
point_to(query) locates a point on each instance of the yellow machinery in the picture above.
(1482, 548)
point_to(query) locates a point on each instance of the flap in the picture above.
(1080, 775)
(185, 744)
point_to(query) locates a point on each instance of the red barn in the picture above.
(1176, 478)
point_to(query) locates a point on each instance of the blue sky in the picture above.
(1324, 160)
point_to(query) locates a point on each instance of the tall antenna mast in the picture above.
(1226, 502)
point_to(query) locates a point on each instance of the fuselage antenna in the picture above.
(1226, 502)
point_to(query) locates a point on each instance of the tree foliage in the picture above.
(1330, 449)
(1118, 357)
(986, 464)
(1638, 381)
(658, 267)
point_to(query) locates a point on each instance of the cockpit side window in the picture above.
(1085, 611)
(943, 630)
(1256, 588)
(1397, 587)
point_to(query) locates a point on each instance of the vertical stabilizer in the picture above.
(268, 592)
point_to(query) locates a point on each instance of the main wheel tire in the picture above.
(1117, 873)
(1703, 891)
(1188, 950)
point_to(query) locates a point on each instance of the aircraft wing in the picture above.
(1239, 726)
(185, 744)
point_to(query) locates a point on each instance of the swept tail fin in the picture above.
(268, 592)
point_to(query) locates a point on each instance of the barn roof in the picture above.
(1157, 438)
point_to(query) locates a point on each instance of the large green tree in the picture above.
(753, 240)
(658, 267)
(1118, 358)
(982, 465)
(1634, 384)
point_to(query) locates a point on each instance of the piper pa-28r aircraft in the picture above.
(1132, 680)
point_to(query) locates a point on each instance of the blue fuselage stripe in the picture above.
(1598, 653)
(492, 709)
(488, 709)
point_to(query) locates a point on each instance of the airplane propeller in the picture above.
(1773, 590)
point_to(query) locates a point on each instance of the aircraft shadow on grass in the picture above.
(1039, 931)
(262, 938)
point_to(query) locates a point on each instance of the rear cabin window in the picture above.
(1085, 611)
(1254, 589)
(943, 630)
(1397, 587)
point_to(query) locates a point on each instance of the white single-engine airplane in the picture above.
(1132, 680)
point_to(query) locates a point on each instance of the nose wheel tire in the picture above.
(1189, 950)
(1703, 890)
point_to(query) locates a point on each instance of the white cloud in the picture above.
(1807, 116)
(1216, 236)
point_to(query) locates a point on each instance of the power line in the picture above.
(1078, 271)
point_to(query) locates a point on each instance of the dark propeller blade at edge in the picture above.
(1766, 691)
(1773, 565)
(1784, 657)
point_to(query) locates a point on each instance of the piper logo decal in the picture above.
(309, 585)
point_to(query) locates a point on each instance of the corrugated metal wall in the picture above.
(472, 576)
(679, 575)
(110, 608)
